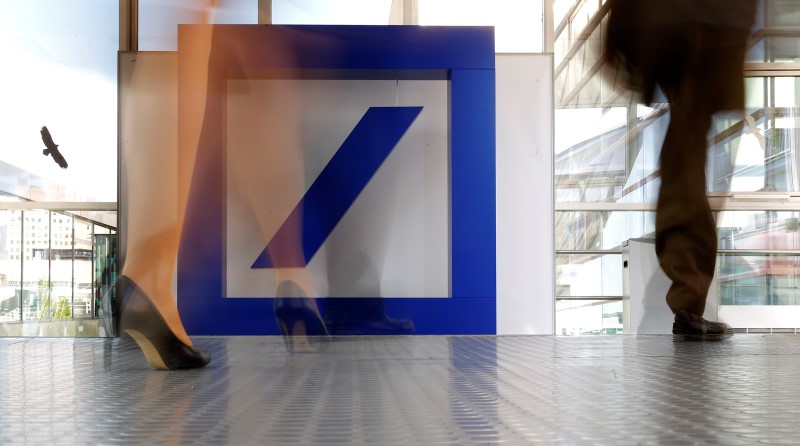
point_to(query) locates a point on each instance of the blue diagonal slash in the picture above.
(338, 186)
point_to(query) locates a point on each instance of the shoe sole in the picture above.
(150, 351)
(691, 337)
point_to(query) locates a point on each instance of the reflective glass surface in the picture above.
(48, 262)
(776, 32)
(37, 301)
(775, 49)
(607, 148)
(589, 317)
(608, 154)
(611, 155)
(589, 275)
(759, 279)
(82, 266)
(765, 271)
(408, 390)
(601, 229)
(760, 152)
(11, 250)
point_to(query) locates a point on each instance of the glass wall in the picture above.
(776, 39)
(760, 255)
(606, 169)
(11, 251)
(48, 263)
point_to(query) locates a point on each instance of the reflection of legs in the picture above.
(354, 273)
(266, 174)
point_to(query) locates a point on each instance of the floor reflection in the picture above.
(407, 390)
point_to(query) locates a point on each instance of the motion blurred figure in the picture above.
(693, 50)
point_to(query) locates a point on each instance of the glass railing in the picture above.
(57, 264)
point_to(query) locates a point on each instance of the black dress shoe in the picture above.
(142, 321)
(691, 327)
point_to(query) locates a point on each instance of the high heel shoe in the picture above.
(300, 323)
(141, 320)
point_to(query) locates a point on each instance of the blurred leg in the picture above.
(705, 77)
(686, 239)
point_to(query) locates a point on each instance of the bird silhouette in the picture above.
(52, 148)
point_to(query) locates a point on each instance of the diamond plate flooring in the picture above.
(407, 390)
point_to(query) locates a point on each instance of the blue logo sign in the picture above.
(464, 57)
(338, 186)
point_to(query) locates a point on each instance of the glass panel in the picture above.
(761, 279)
(589, 275)
(159, 19)
(776, 20)
(36, 303)
(560, 47)
(105, 269)
(593, 317)
(60, 254)
(603, 154)
(775, 49)
(60, 71)
(598, 159)
(759, 230)
(582, 82)
(758, 153)
(560, 10)
(582, 18)
(518, 23)
(10, 264)
(601, 230)
(83, 268)
(753, 278)
(340, 12)
(781, 13)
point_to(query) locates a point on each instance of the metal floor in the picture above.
(407, 390)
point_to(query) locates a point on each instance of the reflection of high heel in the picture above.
(141, 320)
(298, 319)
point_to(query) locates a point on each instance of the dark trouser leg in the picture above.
(686, 236)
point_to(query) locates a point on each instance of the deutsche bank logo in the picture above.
(328, 198)
(461, 59)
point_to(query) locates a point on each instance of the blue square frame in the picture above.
(463, 55)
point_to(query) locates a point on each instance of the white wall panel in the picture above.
(525, 244)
